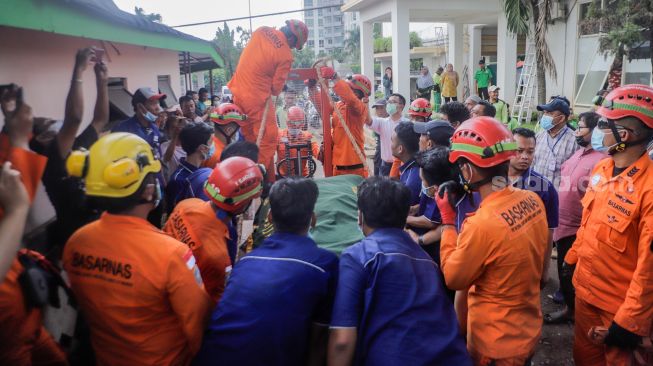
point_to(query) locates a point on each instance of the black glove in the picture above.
(621, 338)
(454, 189)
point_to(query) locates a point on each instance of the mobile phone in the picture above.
(99, 55)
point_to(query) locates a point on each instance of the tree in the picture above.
(303, 59)
(624, 25)
(385, 44)
(230, 49)
(153, 17)
(532, 18)
(352, 44)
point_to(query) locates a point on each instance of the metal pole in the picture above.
(249, 4)
(211, 82)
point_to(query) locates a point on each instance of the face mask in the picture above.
(425, 191)
(211, 152)
(580, 140)
(150, 116)
(546, 122)
(391, 108)
(597, 140)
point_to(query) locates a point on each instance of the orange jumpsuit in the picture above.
(614, 262)
(499, 253)
(140, 292)
(30, 165)
(23, 339)
(345, 159)
(215, 158)
(394, 170)
(194, 223)
(303, 138)
(261, 72)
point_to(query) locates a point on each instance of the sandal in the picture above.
(558, 317)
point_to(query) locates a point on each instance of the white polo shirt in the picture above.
(385, 127)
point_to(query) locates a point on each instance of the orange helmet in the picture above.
(234, 183)
(362, 83)
(300, 30)
(484, 141)
(420, 107)
(296, 117)
(227, 113)
(632, 100)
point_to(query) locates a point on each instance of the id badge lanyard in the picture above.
(552, 164)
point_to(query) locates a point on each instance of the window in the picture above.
(308, 13)
(595, 78)
(321, 43)
(329, 41)
(355, 16)
(308, 3)
(311, 43)
(585, 28)
(320, 22)
(166, 88)
(337, 19)
(319, 12)
(120, 100)
(309, 22)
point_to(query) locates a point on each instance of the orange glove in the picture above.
(328, 72)
(444, 199)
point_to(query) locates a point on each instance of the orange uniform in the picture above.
(303, 138)
(345, 159)
(262, 71)
(215, 158)
(139, 290)
(30, 165)
(613, 257)
(394, 170)
(23, 340)
(499, 253)
(194, 223)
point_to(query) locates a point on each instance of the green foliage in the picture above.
(153, 17)
(518, 15)
(384, 44)
(304, 58)
(624, 26)
(219, 79)
(377, 30)
(352, 45)
(355, 68)
(230, 48)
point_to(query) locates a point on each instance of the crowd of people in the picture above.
(459, 213)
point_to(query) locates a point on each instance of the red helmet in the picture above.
(226, 113)
(420, 107)
(362, 83)
(632, 100)
(484, 141)
(296, 114)
(234, 183)
(300, 30)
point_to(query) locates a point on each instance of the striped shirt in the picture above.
(551, 152)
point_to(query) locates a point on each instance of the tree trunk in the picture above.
(541, 76)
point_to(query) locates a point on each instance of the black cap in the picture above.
(431, 128)
(556, 104)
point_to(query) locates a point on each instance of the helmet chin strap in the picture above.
(227, 137)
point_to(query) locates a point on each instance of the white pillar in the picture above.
(474, 53)
(367, 52)
(506, 60)
(455, 51)
(400, 49)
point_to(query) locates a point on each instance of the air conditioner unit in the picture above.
(559, 10)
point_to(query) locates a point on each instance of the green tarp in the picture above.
(337, 213)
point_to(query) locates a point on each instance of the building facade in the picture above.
(326, 26)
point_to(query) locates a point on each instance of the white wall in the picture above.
(563, 43)
(42, 64)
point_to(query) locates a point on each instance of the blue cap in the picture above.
(556, 104)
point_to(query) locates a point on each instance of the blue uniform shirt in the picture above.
(151, 134)
(537, 183)
(409, 176)
(178, 187)
(392, 292)
(272, 297)
(429, 209)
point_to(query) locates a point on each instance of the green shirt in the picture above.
(483, 77)
(502, 111)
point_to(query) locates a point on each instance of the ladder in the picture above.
(524, 98)
(466, 90)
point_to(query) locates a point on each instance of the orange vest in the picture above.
(303, 138)
(499, 253)
(612, 252)
(194, 223)
(140, 291)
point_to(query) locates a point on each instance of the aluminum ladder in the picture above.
(524, 98)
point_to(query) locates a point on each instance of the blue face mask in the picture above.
(546, 122)
(150, 116)
(211, 152)
(597, 140)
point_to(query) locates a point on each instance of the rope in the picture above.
(261, 130)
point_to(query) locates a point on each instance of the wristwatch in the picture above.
(420, 240)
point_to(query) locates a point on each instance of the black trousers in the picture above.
(566, 272)
(483, 93)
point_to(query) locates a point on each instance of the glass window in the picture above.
(637, 72)
(311, 43)
(308, 13)
(321, 43)
(319, 12)
(308, 3)
(320, 22)
(309, 22)
(329, 41)
(587, 46)
(595, 78)
(585, 28)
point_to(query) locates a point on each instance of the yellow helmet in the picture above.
(115, 166)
